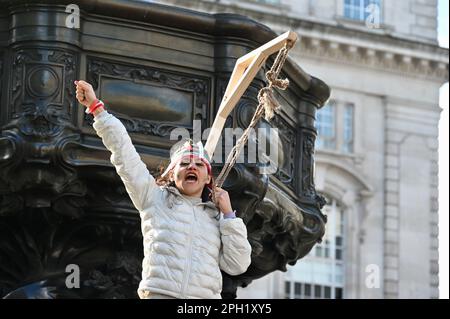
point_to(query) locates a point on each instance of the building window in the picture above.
(320, 275)
(335, 128)
(272, 2)
(347, 144)
(360, 9)
(326, 127)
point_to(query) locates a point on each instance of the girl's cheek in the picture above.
(176, 175)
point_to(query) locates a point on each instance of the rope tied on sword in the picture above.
(267, 106)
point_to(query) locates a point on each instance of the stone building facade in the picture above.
(377, 153)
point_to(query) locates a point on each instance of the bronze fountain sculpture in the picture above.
(157, 68)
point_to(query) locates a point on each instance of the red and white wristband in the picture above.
(94, 106)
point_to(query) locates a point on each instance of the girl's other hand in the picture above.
(223, 200)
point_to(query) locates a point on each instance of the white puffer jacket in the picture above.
(186, 242)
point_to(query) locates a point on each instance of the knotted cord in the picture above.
(267, 107)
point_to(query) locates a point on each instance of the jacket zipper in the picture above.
(188, 269)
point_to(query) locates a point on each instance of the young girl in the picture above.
(186, 240)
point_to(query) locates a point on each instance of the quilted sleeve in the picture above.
(138, 181)
(235, 256)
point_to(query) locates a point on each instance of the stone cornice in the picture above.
(353, 52)
(373, 37)
(339, 27)
(337, 41)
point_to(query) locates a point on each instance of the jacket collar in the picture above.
(177, 193)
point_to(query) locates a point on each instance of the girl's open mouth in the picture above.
(191, 178)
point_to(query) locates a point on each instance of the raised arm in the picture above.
(138, 181)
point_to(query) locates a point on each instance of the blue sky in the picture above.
(443, 23)
(443, 26)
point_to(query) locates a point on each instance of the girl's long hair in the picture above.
(164, 181)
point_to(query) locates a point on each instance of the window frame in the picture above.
(339, 143)
(348, 145)
(332, 105)
(334, 286)
(361, 10)
(275, 3)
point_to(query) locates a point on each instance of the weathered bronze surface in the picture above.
(156, 68)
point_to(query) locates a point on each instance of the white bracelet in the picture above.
(227, 215)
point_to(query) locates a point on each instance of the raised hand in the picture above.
(85, 93)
